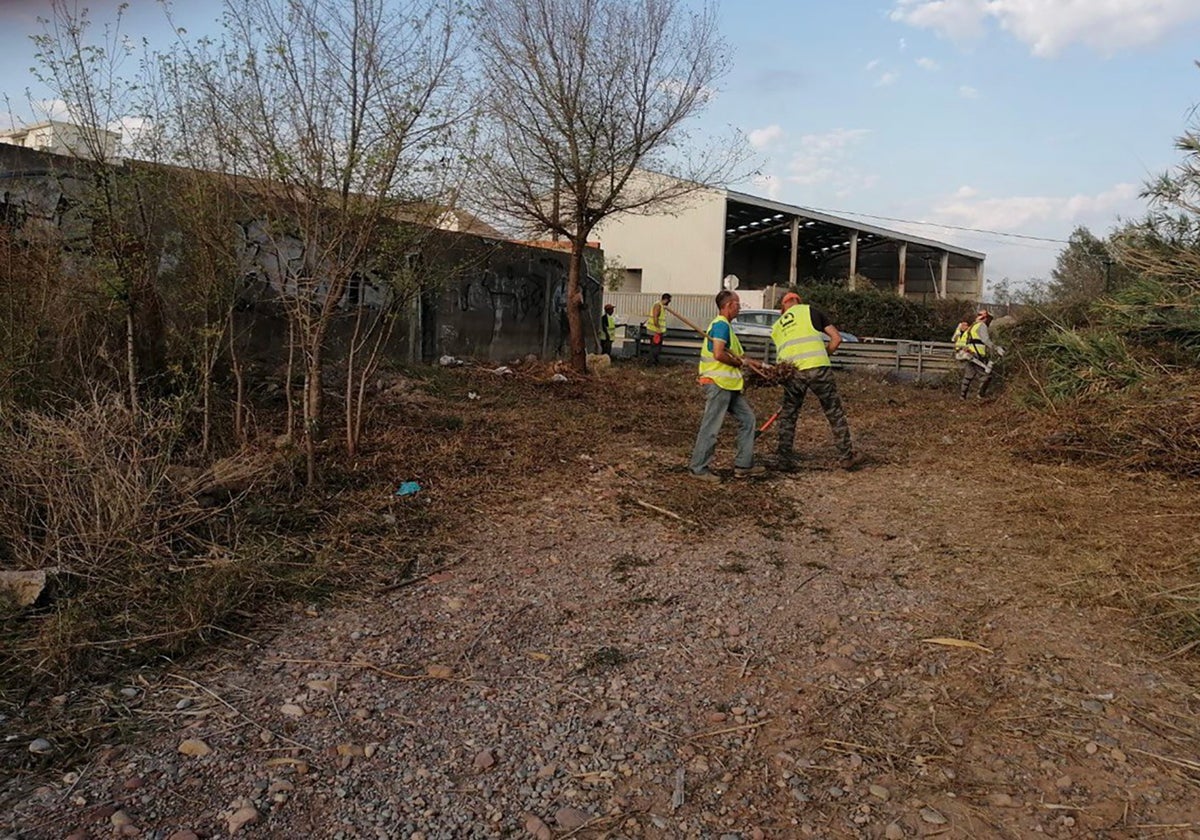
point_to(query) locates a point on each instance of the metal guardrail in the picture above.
(918, 358)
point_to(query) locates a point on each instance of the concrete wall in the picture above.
(481, 297)
(678, 250)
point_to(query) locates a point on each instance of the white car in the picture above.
(755, 321)
(760, 321)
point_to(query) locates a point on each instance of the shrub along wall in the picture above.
(885, 315)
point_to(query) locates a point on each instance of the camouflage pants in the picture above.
(820, 382)
(972, 370)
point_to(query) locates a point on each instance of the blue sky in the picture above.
(1015, 116)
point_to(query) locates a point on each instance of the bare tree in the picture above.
(86, 74)
(582, 97)
(334, 116)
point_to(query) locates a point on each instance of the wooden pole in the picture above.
(945, 274)
(903, 254)
(685, 320)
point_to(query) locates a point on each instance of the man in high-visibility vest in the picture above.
(720, 374)
(608, 329)
(799, 337)
(977, 352)
(656, 326)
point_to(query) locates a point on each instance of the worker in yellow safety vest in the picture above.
(977, 352)
(799, 335)
(656, 326)
(960, 335)
(608, 329)
(720, 374)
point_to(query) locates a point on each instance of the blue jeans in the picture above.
(719, 402)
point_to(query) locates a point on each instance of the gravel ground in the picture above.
(923, 647)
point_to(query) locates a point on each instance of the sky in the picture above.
(1020, 118)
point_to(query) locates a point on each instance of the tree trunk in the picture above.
(131, 358)
(206, 393)
(312, 403)
(351, 426)
(239, 379)
(574, 303)
(289, 393)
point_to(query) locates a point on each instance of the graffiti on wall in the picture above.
(489, 297)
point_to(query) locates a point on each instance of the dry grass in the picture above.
(1151, 427)
(141, 565)
(480, 444)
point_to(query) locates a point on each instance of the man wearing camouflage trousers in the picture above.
(799, 340)
(977, 352)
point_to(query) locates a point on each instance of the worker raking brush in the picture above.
(800, 335)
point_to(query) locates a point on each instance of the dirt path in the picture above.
(589, 667)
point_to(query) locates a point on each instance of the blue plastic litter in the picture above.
(408, 488)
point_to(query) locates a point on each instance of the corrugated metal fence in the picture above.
(631, 308)
(922, 359)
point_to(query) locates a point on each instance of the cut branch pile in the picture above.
(1151, 427)
(771, 376)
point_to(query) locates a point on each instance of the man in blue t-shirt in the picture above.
(720, 373)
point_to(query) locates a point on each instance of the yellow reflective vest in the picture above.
(608, 327)
(657, 323)
(972, 343)
(797, 341)
(719, 373)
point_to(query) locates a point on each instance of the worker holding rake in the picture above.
(799, 341)
(720, 374)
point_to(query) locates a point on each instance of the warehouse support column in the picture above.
(945, 274)
(795, 250)
(850, 281)
(903, 254)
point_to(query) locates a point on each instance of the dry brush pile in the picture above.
(141, 555)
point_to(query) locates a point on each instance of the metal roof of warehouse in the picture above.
(751, 217)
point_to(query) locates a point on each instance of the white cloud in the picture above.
(768, 186)
(887, 79)
(51, 109)
(966, 192)
(955, 19)
(1049, 26)
(826, 159)
(816, 168)
(928, 64)
(872, 64)
(1018, 212)
(903, 44)
(678, 86)
(968, 92)
(763, 137)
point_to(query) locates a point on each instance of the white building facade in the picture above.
(689, 247)
(61, 138)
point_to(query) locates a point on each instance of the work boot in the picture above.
(787, 463)
(710, 477)
(852, 463)
(749, 472)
